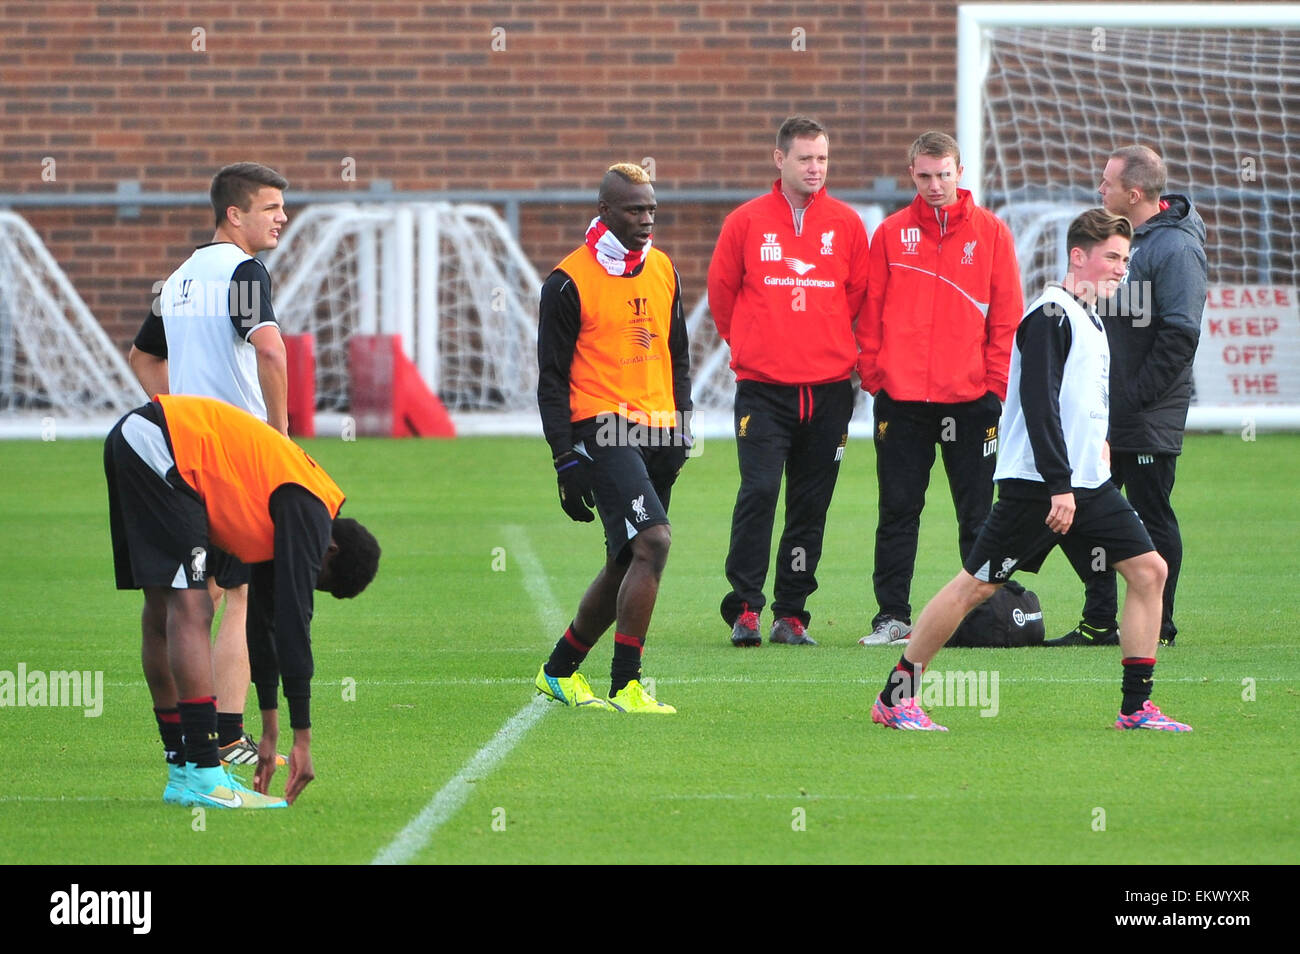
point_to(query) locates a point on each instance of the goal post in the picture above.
(60, 374)
(1046, 92)
(448, 281)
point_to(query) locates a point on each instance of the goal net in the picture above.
(1047, 92)
(451, 281)
(448, 279)
(60, 374)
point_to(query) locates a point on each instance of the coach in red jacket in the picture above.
(942, 307)
(787, 280)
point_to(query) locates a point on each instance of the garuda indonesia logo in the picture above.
(640, 335)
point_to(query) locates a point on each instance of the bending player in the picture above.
(613, 388)
(189, 473)
(212, 331)
(1054, 483)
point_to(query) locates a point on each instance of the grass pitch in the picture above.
(772, 757)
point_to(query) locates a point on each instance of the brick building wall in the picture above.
(430, 96)
(436, 96)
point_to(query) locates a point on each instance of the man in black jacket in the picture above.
(1153, 330)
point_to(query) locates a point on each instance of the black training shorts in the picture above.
(632, 487)
(158, 524)
(1106, 530)
(227, 569)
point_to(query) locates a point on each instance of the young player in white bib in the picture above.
(1053, 478)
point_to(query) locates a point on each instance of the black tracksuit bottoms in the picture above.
(801, 431)
(905, 436)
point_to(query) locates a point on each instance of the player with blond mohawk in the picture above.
(614, 390)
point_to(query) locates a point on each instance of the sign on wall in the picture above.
(1250, 346)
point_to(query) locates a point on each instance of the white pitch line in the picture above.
(418, 832)
(412, 839)
(74, 798)
(810, 681)
(755, 796)
(783, 680)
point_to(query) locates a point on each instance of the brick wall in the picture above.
(443, 96)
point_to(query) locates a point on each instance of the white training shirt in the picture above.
(1084, 399)
(205, 353)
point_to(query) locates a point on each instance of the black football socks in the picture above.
(1139, 672)
(169, 728)
(567, 655)
(230, 727)
(627, 661)
(199, 728)
(901, 683)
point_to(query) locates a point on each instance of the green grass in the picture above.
(443, 649)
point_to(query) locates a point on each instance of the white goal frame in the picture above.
(972, 47)
(60, 373)
(976, 20)
(380, 268)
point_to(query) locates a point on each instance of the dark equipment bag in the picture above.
(1010, 617)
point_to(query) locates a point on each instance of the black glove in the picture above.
(573, 472)
(665, 465)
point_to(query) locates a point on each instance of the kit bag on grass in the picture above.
(1010, 617)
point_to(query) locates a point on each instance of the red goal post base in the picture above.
(300, 355)
(387, 394)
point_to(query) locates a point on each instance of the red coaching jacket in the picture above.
(943, 303)
(784, 298)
